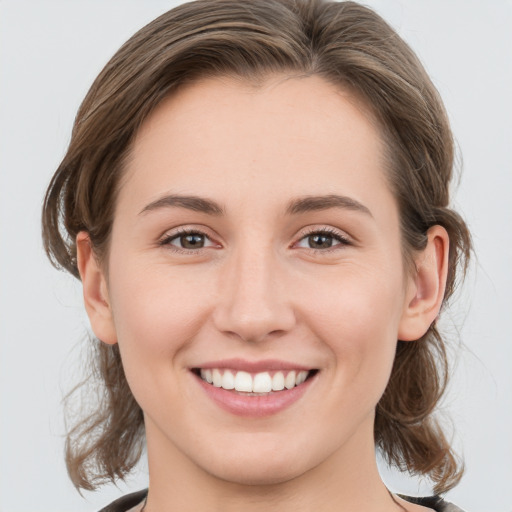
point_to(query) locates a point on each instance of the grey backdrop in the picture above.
(50, 51)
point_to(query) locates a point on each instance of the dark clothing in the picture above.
(434, 502)
(126, 502)
(130, 500)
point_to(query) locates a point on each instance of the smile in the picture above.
(254, 389)
(255, 384)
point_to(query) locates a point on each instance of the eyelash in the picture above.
(329, 232)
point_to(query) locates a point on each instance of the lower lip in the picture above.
(254, 406)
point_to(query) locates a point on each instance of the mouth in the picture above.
(262, 383)
(255, 389)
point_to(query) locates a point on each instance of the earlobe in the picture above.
(95, 291)
(426, 287)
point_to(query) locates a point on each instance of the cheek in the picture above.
(357, 317)
(156, 316)
(156, 311)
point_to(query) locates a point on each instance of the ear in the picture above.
(95, 291)
(426, 286)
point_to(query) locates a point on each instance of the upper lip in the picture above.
(253, 366)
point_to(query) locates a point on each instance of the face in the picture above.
(256, 243)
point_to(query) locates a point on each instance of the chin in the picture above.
(258, 466)
(257, 475)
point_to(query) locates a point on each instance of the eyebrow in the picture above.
(318, 203)
(295, 207)
(195, 203)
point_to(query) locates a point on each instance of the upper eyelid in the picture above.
(182, 230)
(325, 229)
(303, 233)
(193, 228)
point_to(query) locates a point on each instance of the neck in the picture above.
(347, 480)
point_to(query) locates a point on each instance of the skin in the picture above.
(258, 290)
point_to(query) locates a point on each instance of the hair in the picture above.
(344, 43)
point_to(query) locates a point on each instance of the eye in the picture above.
(322, 240)
(187, 240)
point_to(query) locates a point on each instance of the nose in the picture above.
(254, 302)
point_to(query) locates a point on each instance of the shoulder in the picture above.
(434, 502)
(125, 503)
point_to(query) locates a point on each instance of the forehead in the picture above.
(294, 132)
(315, 105)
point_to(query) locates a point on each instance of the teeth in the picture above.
(301, 377)
(228, 381)
(261, 382)
(217, 378)
(207, 375)
(243, 381)
(289, 381)
(278, 381)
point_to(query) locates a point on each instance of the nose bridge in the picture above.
(253, 299)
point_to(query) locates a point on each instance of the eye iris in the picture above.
(319, 241)
(192, 241)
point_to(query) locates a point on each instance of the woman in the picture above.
(255, 198)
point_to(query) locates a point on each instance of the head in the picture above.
(269, 50)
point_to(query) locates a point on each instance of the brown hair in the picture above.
(346, 44)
